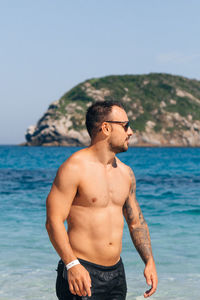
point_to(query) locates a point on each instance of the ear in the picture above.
(106, 128)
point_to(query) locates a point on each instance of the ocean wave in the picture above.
(166, 179)
(189, 211)
(13, 181)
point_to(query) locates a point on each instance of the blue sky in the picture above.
(49, 46)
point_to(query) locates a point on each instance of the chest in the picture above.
(100, 187)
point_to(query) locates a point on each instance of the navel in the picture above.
(110, 243)
(94, 200)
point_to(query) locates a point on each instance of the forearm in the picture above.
(141, 239)
(60, 240)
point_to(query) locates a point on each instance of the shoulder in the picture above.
(76, 160)
(127, 171)
(71, 166)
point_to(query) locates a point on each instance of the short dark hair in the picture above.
(98, 113)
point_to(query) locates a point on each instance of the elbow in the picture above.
(132, 227)
(52, 223)
(142, 224)
(48, 225)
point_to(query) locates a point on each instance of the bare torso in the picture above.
(93, 190)
(95, 221)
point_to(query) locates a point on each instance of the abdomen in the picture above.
(95, 234)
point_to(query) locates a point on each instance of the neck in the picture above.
(102, 152)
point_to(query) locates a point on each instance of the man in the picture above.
(93, 189)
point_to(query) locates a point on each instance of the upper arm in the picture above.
(131, 208)
(63, 191)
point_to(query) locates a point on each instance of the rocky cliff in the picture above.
(163, 109)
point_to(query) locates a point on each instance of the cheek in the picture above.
(117, 138)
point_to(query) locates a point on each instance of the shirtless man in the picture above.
(93, 190)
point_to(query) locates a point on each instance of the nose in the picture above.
(130, 131)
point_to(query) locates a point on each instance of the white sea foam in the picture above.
(139, 297)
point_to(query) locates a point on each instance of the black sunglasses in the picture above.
(124, 124)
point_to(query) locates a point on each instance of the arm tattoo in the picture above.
(138, 228)
(141, 240)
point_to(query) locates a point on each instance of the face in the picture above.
(119, 134)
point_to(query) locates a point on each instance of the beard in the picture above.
(118, 148)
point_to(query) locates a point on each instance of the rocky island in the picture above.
(163, 109)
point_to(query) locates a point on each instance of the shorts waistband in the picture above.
(101, 267)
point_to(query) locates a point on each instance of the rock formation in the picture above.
(164, 110)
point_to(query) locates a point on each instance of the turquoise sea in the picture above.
(168, 190)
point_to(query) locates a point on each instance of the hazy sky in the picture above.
(48, 46)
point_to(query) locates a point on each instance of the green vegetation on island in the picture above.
(163, 109)
(148, 91)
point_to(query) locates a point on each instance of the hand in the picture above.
(151, 278)
(79, 281)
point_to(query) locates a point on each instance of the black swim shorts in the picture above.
(108, 283)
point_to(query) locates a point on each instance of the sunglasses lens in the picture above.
(126, 126)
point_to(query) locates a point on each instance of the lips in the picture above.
(127, 141)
